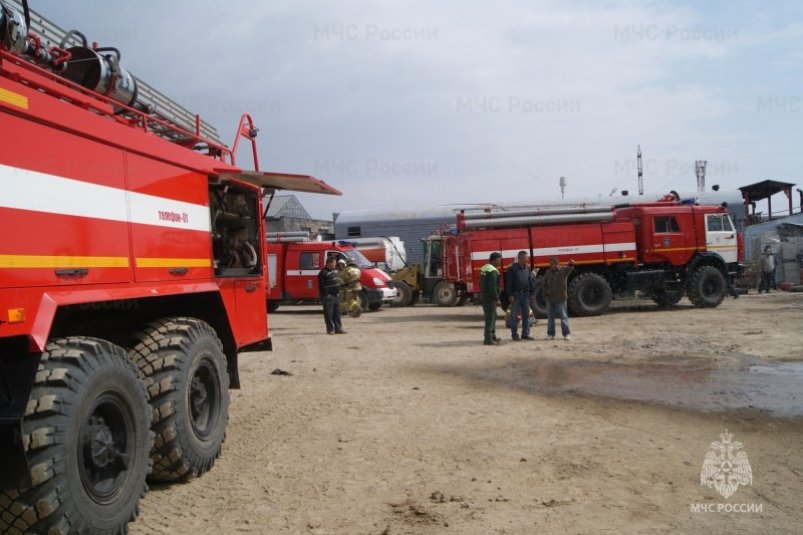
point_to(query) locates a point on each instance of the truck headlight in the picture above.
(379, 282)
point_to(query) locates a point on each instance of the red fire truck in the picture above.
(131, 274)
(666, 249)
(293, 273)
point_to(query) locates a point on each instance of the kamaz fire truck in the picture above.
(132, 273)
(664, 249)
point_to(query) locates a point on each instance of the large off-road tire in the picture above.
(445, 294)
(666, 299)
(273, 305)
(538, 304)
(706, 287)
(182, 362)
(589, 295)
(87, 436)
(404, 295)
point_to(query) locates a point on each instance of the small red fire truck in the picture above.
(665, 249)
(293, 273)
(131, 274)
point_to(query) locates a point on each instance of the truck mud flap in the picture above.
(262, 345)
(17, 373)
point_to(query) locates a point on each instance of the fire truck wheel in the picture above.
(589, 295)
(182, 362)
(273, 305)
(87, 436)
(665, 299)
(445, 294)
(404, 295)
(706, 287)
(538, 304)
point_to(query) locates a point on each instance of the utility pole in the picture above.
(640, 171)
(699, 170)
(562, 186)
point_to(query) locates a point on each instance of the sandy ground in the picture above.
(409, 424)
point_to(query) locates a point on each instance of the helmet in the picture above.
(341, 262)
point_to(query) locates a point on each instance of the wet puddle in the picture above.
(773, 388)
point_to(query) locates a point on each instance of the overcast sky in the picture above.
(421, 104)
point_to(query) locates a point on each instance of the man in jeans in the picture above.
(518, 286)
(329, 294)
(555, 295)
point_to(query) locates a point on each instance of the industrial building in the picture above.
(286, 214)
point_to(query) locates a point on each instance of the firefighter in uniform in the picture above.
(350, 294)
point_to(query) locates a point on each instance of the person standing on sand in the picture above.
(767, 262)
(489, 295)
(555, 295)
(329, 294)
(519, 287)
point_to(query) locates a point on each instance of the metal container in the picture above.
(100, 70)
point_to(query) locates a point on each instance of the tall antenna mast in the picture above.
(699, 170)
(640, 171)
(562, 186)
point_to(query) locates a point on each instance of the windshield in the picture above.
(358, 258)
(352, 255)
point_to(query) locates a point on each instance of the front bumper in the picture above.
(380, 295)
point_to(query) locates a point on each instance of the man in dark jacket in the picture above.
(518, 286)
(329, 294)
(555, 296)
(489, 295)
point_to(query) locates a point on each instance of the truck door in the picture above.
(720, 236)
(64, 213)
(237, 250)
(669, 243)
(302, 273)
